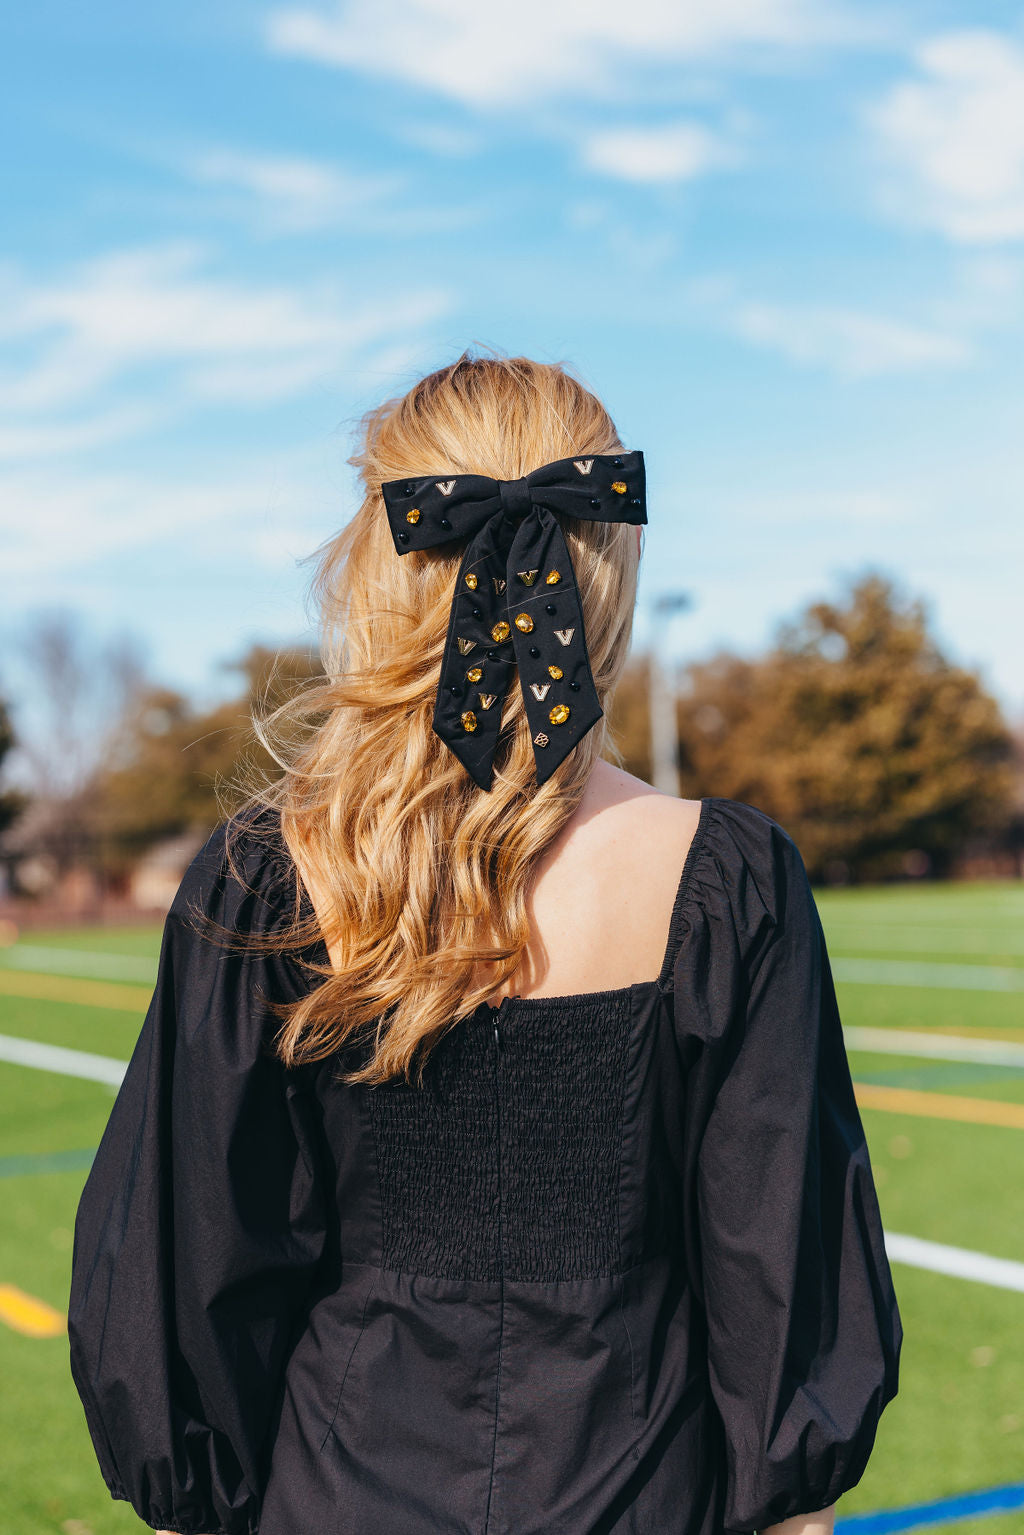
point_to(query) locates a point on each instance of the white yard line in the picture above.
(84, 962)
(939, 1047)
(958, 1262)
(912, 972)
(68, 1063)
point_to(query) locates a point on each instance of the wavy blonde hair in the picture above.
(420, 878)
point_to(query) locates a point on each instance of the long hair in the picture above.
(420, 878)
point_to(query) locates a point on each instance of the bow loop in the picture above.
(516, 601)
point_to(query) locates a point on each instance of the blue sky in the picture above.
(784, 241)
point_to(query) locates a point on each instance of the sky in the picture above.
(782, 239)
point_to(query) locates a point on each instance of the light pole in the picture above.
(662, 696)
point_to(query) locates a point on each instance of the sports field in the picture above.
(937, 975)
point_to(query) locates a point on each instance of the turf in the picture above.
(958, 1422)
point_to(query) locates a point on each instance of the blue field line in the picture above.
(46, 1162)
(925, 1516)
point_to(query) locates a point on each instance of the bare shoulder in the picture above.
(629, 804)
(632, 828)
(605, 890)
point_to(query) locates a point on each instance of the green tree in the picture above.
(854, 731)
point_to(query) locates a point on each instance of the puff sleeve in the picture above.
(803, 1328)
(200, 1224)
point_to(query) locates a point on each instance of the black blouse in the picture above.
(618, 1266)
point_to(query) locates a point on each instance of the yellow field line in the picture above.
(62, 988)
(28, 1315)
(911, 1100)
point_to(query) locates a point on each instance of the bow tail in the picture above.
(476, 668)
(558, 687)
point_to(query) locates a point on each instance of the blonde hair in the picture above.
(420, 877)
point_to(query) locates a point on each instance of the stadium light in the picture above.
(662, 695)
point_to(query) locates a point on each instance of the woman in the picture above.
(546, 1206)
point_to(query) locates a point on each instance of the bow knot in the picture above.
(516, 498)
(516, 601)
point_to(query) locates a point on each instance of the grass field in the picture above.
(949, 1177)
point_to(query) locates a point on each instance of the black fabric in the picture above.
(516, 602)
(619, 1268)
(551, 1175)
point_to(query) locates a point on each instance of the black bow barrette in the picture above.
(516, 602)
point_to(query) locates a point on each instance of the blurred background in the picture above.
(784, 241)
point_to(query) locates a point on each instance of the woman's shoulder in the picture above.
(242, 871)
(741, 833)
(749, 865)
(749, 830)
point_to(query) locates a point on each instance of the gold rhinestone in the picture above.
(559, 714)
(553, 577)
(524, 622)
(501, 631)
(413, 515)
(469, 719)
(555, 671)
(472, 582)
(540, 739)
(620, 487)
(474, 674)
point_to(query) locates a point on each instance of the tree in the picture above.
(171, 768)
(12, 802)
(854, 731)
(73, 691)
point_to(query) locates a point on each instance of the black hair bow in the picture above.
(516, 602)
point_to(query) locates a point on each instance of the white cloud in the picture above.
(51, 439)
(291, 194)
(153, 317)
(500, 54)
(669, 153)
(441, 139)
(954, 137)
(850, 342)
(58, 522)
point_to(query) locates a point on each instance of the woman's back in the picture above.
(617, 1265)
(603, 895)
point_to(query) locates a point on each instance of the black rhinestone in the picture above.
(594, 501)
(635, 501)
(617, 462)
(575, 686)
(455, 688)
(478, 612)
(549, 607)
(494, 655)
(410, 489)
(403, 538)
(534, 651)
(445, 523)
